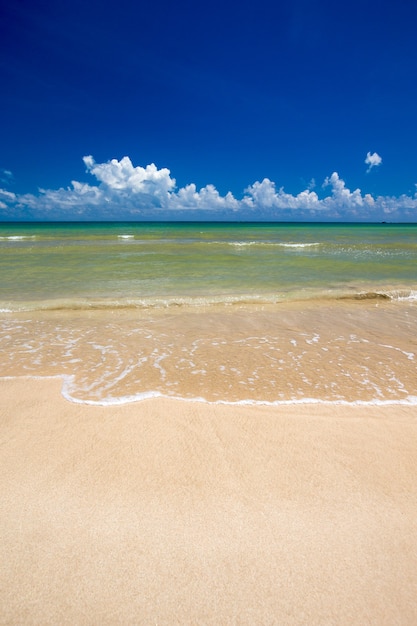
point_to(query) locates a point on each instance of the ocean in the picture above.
(220, 312)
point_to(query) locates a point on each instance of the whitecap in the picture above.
(299, 245)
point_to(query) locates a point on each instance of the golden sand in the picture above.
(173, 512)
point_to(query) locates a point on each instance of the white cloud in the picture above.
(207, 199)
(373, 160)
(264, 195)
(122, 176)
(6, 176)
(7, 195)
(123, 191)
(341, 195)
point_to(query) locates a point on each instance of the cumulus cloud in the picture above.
(122, 191)
(123, 176)
(372, 160)
(263, 195)
(206, 199)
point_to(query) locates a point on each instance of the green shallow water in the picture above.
(163, 263)
(56, 278)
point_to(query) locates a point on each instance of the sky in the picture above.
(269, 110)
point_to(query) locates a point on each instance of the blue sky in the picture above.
(222, 110)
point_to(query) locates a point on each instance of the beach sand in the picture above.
(174, 512)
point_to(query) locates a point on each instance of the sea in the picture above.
(270, 313)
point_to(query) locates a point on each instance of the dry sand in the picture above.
(170, 512)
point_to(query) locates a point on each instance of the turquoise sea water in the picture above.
(117, 264)
(247, 313)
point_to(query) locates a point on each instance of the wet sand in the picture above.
(320, 350)
(174, 512)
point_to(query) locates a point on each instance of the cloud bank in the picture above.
(122, 191)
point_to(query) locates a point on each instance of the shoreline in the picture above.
(363, 352)
(367, 293)
(171, 512)
(409, 401)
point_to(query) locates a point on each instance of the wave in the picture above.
(299, 245)
(300, 295)
(67, 382)
(131, 303)
(367, 295)
(272, 244)
(409, 401)
(18, 238)
(329, 248)
(402, 295)
(405, 296)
